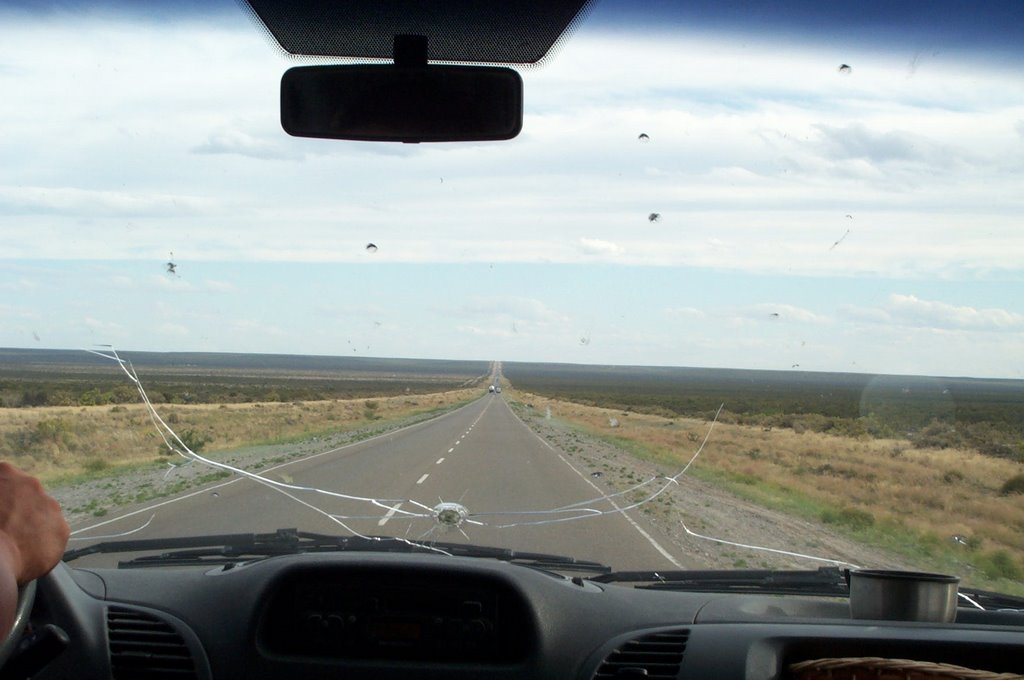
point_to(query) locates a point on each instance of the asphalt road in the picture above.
(481, 456)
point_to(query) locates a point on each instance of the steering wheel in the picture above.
(26, 596)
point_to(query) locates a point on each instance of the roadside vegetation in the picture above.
(946, 508)
(33, 378)
(65, 444)
(984, 415)
(111, 389)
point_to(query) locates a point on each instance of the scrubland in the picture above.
(948, 509)
(59, 444)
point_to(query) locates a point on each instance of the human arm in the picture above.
(33, 534)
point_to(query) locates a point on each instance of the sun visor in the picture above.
(510, 32)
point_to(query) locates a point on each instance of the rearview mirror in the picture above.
(388, 103)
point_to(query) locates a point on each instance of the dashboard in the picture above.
(365, 615)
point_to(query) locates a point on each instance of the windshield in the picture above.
(736, 296)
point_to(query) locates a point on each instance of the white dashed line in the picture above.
(420, 480)
(391, 513)
(439, 460)
(451, 449)
(234, 480)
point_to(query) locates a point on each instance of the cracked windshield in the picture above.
(731, 299)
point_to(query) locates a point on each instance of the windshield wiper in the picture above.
(828, 581)
(234, 548)
(990, 600)
(823, 582)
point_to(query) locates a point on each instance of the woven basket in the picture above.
(875, 668)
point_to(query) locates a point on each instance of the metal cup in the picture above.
(902, 595)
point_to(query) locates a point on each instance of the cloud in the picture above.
(181, 284)
(780, 313)
(575, 187)
(911, 310)
(250, 326)
(866, 314)
(593, 246)
(751, 173)
(685, 313)
(486, 331)
(15, 312)
(508, 307)
(857, 141)
(172, 329)
(21, 284)
(99, 326)
(77, 202)
(244, 144)
(219, 286)
(345, 309)
(171, 282)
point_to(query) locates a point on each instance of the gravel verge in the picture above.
(705, 509)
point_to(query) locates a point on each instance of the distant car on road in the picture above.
(491, 389)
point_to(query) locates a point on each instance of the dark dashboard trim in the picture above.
(574, 628)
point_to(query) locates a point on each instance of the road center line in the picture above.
(451, 450)
(439, 460)
(391, 513)
(206, 489)
(420, 480)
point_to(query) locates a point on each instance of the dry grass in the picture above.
(58, 443)
(932, 494)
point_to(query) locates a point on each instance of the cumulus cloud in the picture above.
(593, 246)
(912, 310)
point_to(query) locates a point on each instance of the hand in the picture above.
(33, 534)
(31, 525)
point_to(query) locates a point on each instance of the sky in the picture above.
(780, 212)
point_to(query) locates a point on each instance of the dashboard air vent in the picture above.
(657, 655)
(144, 646)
